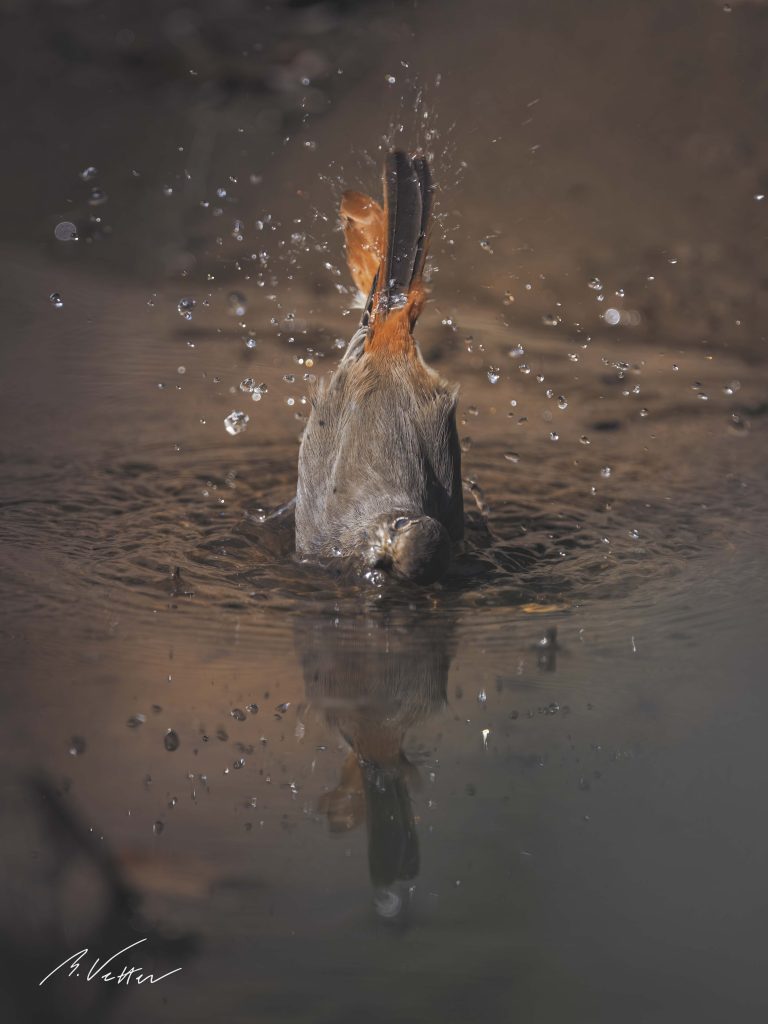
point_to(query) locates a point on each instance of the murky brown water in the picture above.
(566, 818)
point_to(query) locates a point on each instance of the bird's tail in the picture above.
(363, 221)
(407, 213)
(387, 248)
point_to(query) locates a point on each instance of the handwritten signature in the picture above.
(98, 970)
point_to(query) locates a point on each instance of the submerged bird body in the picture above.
(380, 465)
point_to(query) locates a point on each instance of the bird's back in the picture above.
(381, 438)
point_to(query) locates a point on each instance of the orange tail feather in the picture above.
(363, 221)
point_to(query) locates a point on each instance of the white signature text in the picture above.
(99, 972)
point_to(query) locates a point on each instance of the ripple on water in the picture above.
(195, 535)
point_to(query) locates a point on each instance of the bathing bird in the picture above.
(380, 464)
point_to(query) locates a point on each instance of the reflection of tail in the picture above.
(393, 846)
(379, 796)
(344, 806)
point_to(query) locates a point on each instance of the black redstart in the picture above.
(380, 463)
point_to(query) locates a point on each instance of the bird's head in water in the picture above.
(410, 546)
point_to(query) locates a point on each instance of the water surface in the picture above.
(533, 790)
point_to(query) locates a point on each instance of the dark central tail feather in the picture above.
(427, 194)
(408, 194)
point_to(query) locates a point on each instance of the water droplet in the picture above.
(88, 174)
(77, 746)
(65, 231)
(584, 439)
(605, 471)
(390, 79)
(482, 697)
(644, 413)
(97, 196)
(289, 378)
(759, 197)
(517, 351)
(738, 424)
(612, 316)
(238, 714)
(236, 422)
(185, 307)
(595, 284)
(511, 456)
(550, 320)
(561, 402)
(158, 827)
(135, 721)
(56, 300)
(494, 374)
(387, 903)
(554, 436)
(634, 534)
(465, 443)
(171, 740)
(237, 304)
(256, 391)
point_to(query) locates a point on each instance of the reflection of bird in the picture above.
(380, 464)
(373, 684)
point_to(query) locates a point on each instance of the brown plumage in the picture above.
(379, 466)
